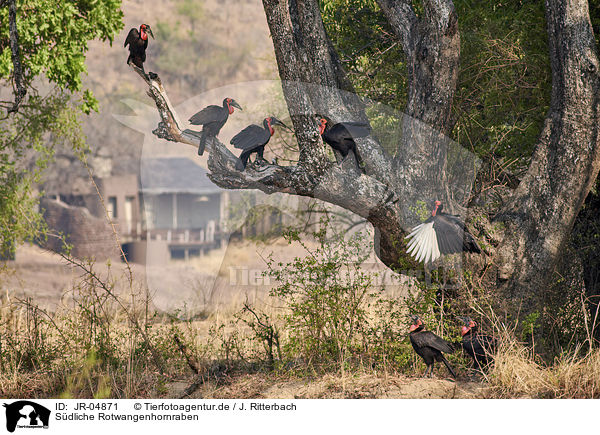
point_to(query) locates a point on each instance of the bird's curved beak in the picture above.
(149, 30)
(275, 121)
(236, 105)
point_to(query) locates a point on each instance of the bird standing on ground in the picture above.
(341, 137)
(441, 234)
(253, 139)
(478, 346)
(213, 118)
(138, 42)
(429, 346)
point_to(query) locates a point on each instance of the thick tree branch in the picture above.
(314, 82)
(20, 90)
(431, 46)
(389, 206)
(402, 18)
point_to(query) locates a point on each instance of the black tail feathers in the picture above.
(202, 144)
(359, 160)
(447, 364)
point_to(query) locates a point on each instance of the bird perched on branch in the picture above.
(478, 346)
(253, 139)
(441, 234)
(341, 137)
(138, 42)
(213, 118)
(429, 346)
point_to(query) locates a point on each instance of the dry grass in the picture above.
(518, 373)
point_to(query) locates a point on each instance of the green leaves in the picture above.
(326, 295)
(367, 48)
(53, 37)
(504, 82)
(89, 102)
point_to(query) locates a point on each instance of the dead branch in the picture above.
(20, 90)
(190, 359)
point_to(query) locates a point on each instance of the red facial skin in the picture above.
(322, 126)
(415, 325)
(270, 128)
(466, 329)
(143, 33)
(230, 108)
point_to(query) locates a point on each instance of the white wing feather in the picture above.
(422, 244)
(412, 244)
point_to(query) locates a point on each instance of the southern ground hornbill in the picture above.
(429, 346)
(212, 119)
(478, 346)
(441, 234)
(341, 136)
(253, 139)
(138, 42)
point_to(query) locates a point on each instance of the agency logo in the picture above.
(25, 414)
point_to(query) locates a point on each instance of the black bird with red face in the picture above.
(213, 118)
(253, 139)
(341, 137)
(478, 346)
(429, 346)
(138, 42)
(441, 234)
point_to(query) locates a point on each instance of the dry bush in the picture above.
(518, 372)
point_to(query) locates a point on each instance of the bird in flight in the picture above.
(440, 234)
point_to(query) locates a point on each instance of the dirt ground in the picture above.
(269, 386)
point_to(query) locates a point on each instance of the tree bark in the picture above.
(431, 45)
(20, 91)
(305, 54)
